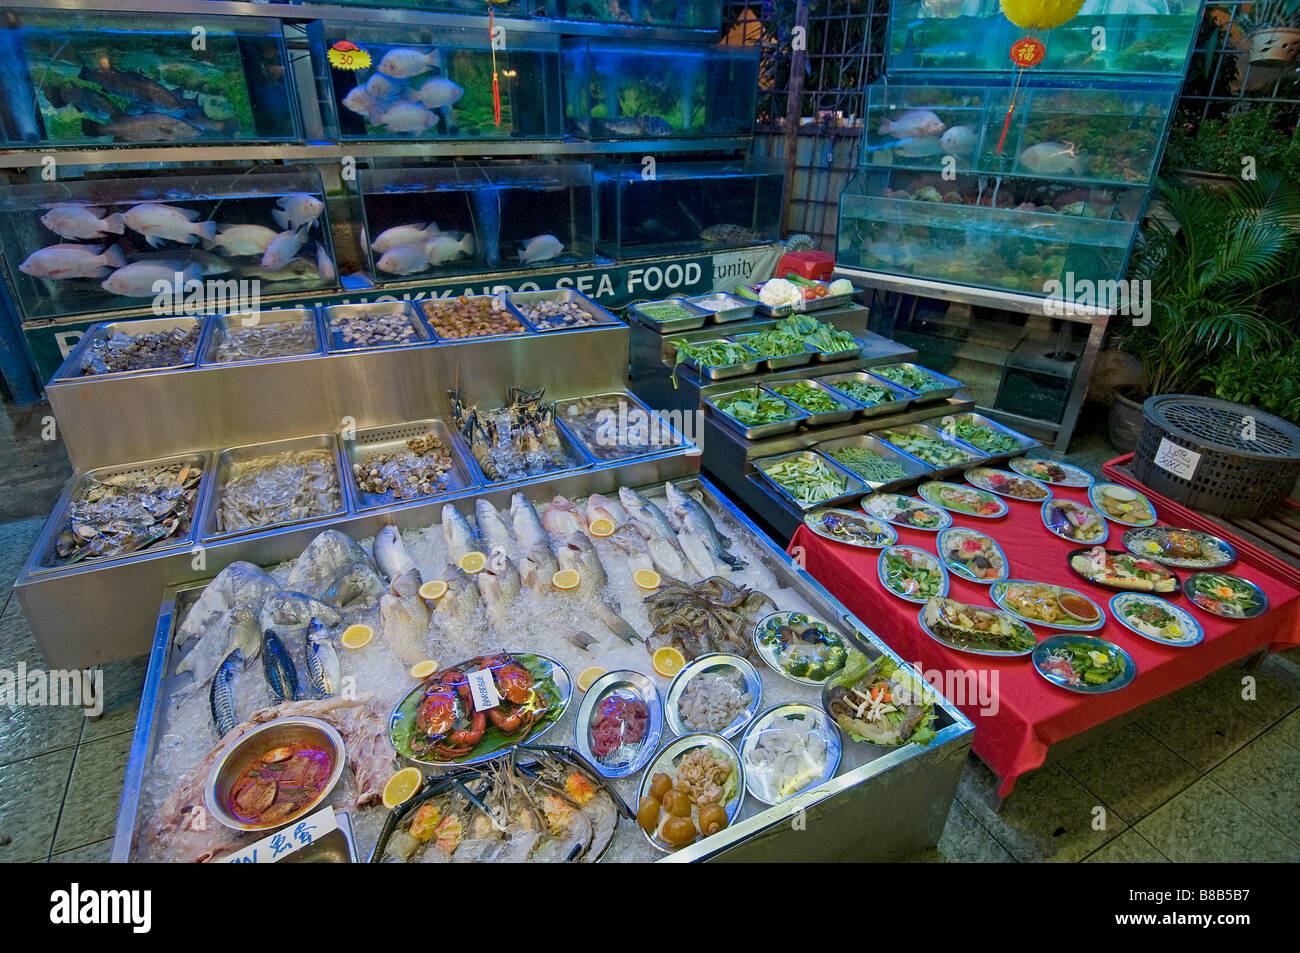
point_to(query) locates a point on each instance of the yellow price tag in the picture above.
(348, 56)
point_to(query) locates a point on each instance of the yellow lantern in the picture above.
(1040, 14)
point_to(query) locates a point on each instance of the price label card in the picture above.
(1175, 459)
(483, 689)
(287, 840)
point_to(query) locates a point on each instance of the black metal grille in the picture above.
(1227, 428)
(1222, 80)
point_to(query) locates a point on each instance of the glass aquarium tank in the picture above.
(1005, 232)
(620, 89)
(1107, 36)
(436, 82)
(687, 206)
(78, 78)
(682, 14)
(501, 8)
(80, 247)
(1060, 129)
(471, 219)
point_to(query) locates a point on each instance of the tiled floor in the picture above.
(1202, 775)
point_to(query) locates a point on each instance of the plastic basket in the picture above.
(1216, 456)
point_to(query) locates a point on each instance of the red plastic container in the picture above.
(806, 264)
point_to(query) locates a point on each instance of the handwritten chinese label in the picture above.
(285, 841)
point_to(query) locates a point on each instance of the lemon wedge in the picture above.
(587, 677)
(424, 669)
(401, 787)
(566, 579)
(602, 527)
(433, 590)
(668, 661)
(646, 579)
(357, 636)
(473, 562)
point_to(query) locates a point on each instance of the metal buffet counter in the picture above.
(881, 803)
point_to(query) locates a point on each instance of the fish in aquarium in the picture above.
(541, 248)
(296, 210)
(72, 261)
(1053, 158)
(730, 234)
(137, 280)
(919, 147)
(916, 122)
(406, 117)
(400, 235)
(146, 127)
(959, 140)
(438, 93)
(243, 239)
(158, 223)
(82, 221)
(445, 248)
(283, 248)
(403, 63)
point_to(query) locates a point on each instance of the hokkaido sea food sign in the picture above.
(612, 286)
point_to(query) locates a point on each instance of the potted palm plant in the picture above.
(1212, 258)
(1273, 29)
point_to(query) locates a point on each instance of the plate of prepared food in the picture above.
(1084, 664)
(1074, 521)
(1041, 603)
(962, 499)
(911, 573)
(788, 749)
(1049, 471)
(718, 693)
(1180, 548)
(1121, 505)
(1117, 569)
(619, 723)
(1222, 594)
(692, 790)
(801, 647)
(879, 702)
(975, 629)
(973, 555)
(1014, 486)
(906, 511)
(850, 528)
(1156, 619)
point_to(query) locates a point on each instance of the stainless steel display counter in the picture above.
(883, 804)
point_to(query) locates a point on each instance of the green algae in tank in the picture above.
(135, 79)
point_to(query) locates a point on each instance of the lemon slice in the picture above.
(566, 579)
(424, 669)
(588, 676)
(357, 636)
(646, 579)
(435, 589)
(401, 787)
(602, 527)
(668, 661)
(473, 562)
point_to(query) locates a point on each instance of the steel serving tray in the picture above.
(778, 363)
(717, 372)
(853, 487)
(1024, 443)
(575, 456)
(914, 469)
(818, 418)
(71, 369)
(941, 471)
(827, 357)
(496, 302)
(220, 325)
(756, 431)
(624, 684)
(950, 384)
(804, 306)
(463, 474)
(714, 662)
(741, 308)
(692, 321)
(660, 428)
(229, 458)
(336, 344)
(517, 300)
(903, 397)
(812, 717)
(42, 558)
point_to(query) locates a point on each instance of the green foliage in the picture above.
(1269, 15)
(1218, 145)
(1213, 269)
(1269, 380)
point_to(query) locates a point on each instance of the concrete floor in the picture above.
(1201, 776)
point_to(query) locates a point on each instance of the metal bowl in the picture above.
(620, 684)
(666, 761)
(249, 747)
(711, 663)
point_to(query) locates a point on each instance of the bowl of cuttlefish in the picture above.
(619, 723)
(274, 774)
(478, 708)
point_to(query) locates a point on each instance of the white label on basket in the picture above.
(483, 689)
(1177, 460)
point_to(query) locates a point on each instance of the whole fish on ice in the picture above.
(279, 669)
(62, 261)
(159, 223)
(240, 582)
(577, 553)
(537, 563)
(492, 528)
(692, 521)
(498, 583)
(235, 629)
(661, 541)
(81, 222)
(221, 696)
(323, 666)
(456, 530)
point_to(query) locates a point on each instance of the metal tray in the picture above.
(848, 406)
(915, 469)
(226, 460)
(853, 487)
(695, 320)
(462, 476)
(721, 372)
(42, 558)
(924, 397)
(516, 299)
(744, 308)
(660, 427)
(826, 357)
(221, 324)
(775, 363)
(525, 327)
(904, 396)
(578, 458)
(1025, 443)
(623, 683)
(940, 472)
(757, 431)
(70, 369)
(805, 306)
(336, 344)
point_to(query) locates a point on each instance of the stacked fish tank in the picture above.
(679, 14)
(76, 78)
(687, 207)
(472, 218)
(1004, 181)
(83, 247)
(426, 82)
(621, 89)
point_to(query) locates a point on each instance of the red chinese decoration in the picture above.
(1028, 52)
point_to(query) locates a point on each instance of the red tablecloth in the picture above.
(1032, 714)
